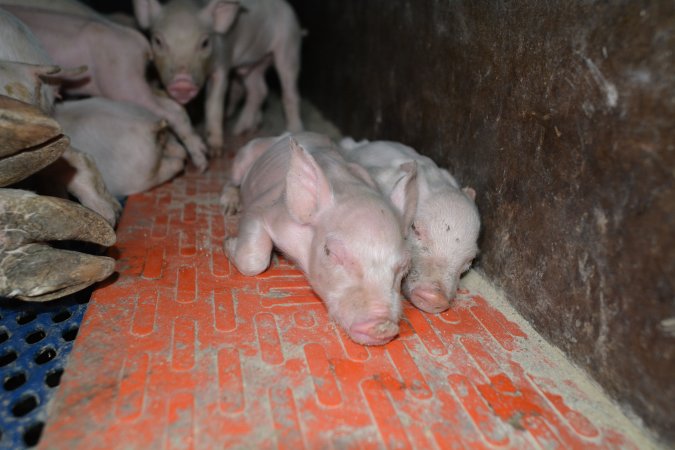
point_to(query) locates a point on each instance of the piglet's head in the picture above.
(182, 39)
(358, 256)
(443, 243)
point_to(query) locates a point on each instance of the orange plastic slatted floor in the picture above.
(180, 351)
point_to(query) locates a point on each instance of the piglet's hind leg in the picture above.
(256, 92)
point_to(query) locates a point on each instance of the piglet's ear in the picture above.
(146, 12)
(307, 189)
(470, 192)
(221, 14)
(405, 193)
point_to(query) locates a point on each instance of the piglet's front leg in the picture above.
(177, 117)
(215, 105)
(251, 250)
(229, 200)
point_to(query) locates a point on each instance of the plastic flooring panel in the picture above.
(180, 351)
(35, 341)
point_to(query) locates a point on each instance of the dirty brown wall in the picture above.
(562, 116)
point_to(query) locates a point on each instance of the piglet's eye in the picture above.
(326, 250)
(415, 230)
(156, 41)
(205, 43)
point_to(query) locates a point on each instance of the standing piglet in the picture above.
(300, 195)
(196, 44)
(446, 224)
(133, 148)
(117, 57)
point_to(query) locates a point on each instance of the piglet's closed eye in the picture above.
(336, 250)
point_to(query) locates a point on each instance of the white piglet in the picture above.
(133, 148)
(117, 58)
(443, 236)
(198, 43)
(28, 74)
(299, 194)
(25, 67)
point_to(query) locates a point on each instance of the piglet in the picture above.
(28, 74)
(117, 57)
(26, 102)
(299, 195)
(30, 140)
(74, 7)
(446, 224)
(133, 148)
(199, 43)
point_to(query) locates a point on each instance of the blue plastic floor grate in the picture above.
(35, 341)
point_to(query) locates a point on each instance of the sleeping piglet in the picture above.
(28, 74)
(298, 194)
(132, 147)
(446, 225)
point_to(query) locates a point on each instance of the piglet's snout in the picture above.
(430, 299)
(182, 88)
(373, 332)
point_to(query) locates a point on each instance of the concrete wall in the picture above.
(562, 116)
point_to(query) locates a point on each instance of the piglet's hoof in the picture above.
(230, 201)
(30, 140)
(197, 151)
(215, 146)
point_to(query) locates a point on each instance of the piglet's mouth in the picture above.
(376, 332)
(429, 299)
(183, 91)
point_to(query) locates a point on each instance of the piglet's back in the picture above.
(264, 182)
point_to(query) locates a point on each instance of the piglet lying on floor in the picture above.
(446, 224)
(28, 74)
(299, 194)
(132, 147)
